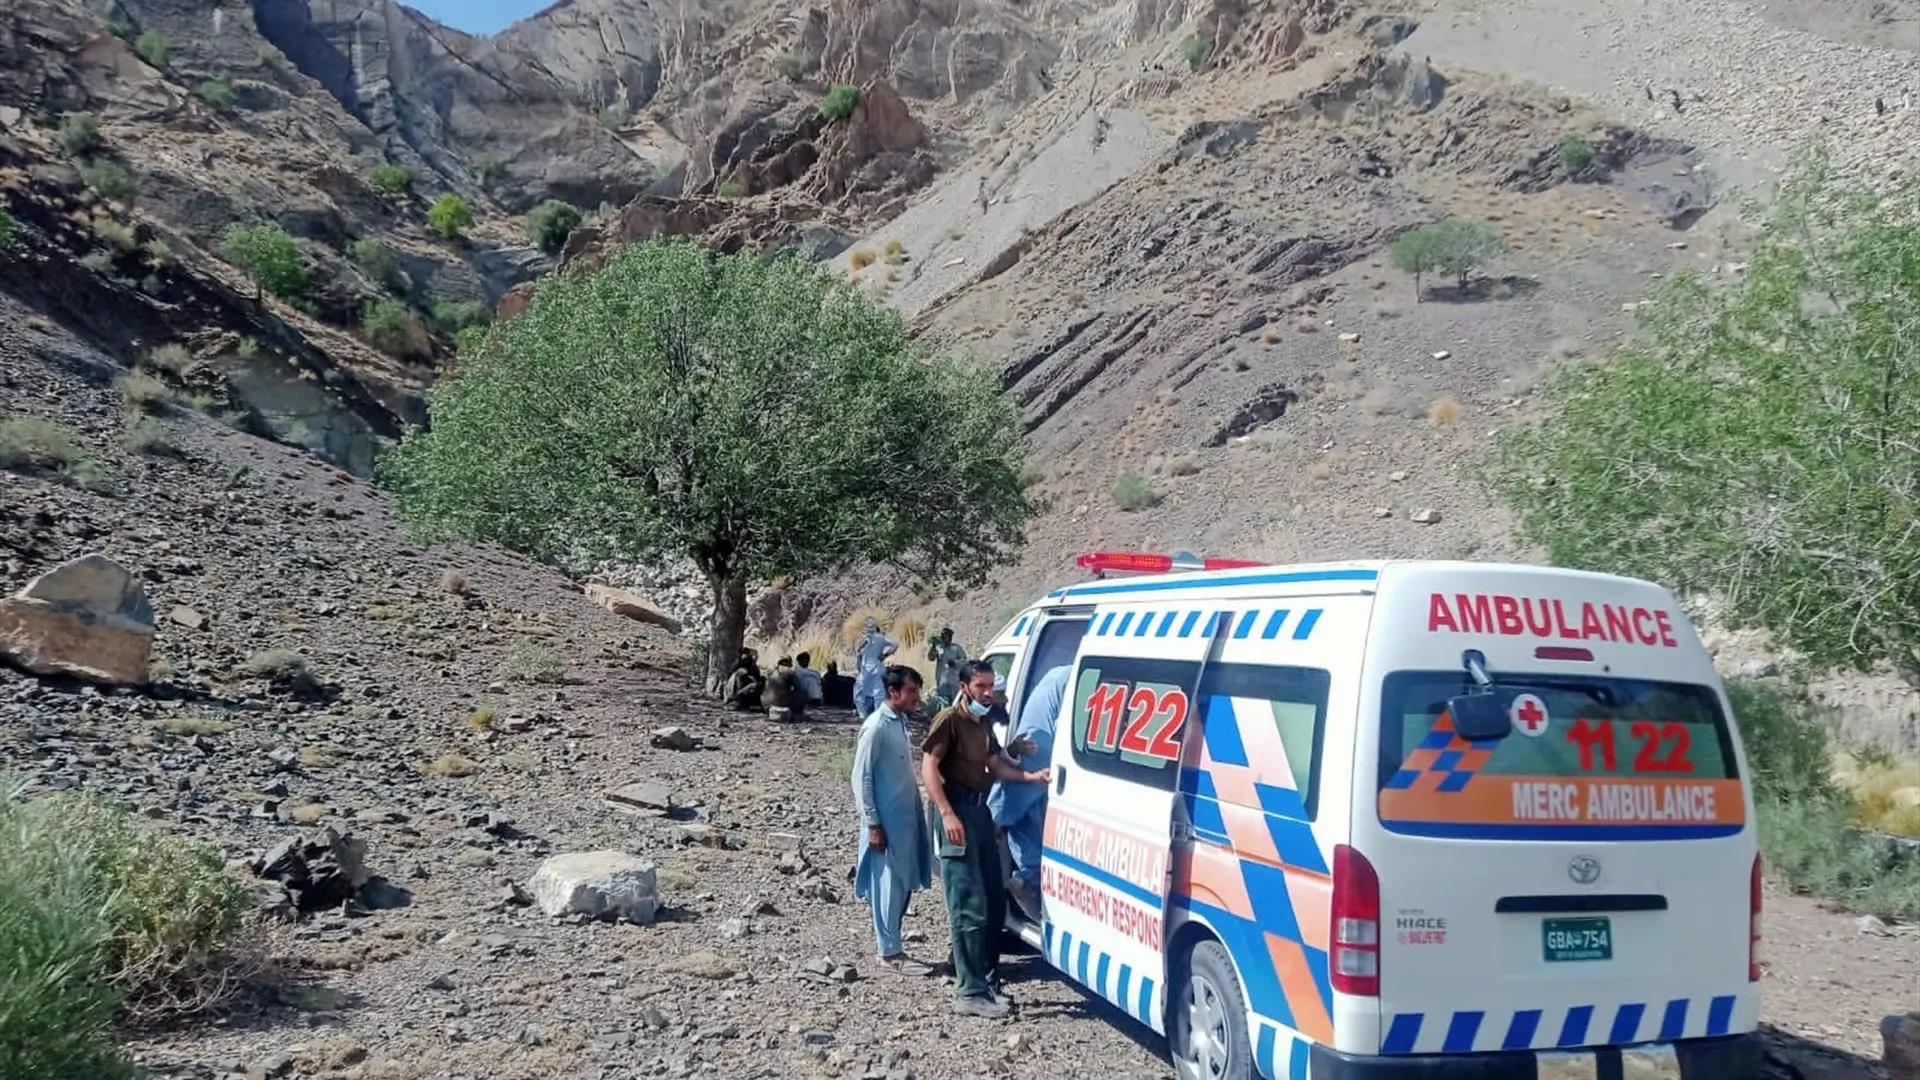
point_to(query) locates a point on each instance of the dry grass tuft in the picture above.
(1320, 472)
(451, 765)
(855, 624)
(910, 632)
(481, 718)
(454, 582)
(143, 391)
(863, 258)
(1445, 411)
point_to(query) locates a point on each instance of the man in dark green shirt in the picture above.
(959, 762)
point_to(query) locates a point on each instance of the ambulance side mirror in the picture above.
(1482, 717)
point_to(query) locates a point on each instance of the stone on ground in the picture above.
(628, 606)
(598, 884)
(88, 618)
(675, 738)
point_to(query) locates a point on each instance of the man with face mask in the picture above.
(870, 659)
(959, 762)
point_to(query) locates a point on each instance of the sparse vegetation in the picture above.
(32, 442)
(158, 253)
(109, 181)
(450, 216)
(79, 133)
(171, 357)
(863, 258)
(155, 48)
(470, 340)
(1575, 153)
(247, 349)
(1792, 503)
(1455, 246)
(792, 66)
(1444, 411)
(550, 223)
(143, 391)
(455, 583)
(98, 260)
(115, 232)
(718, 347)
(388, 325)
(275, 664)
(454, 316)
(840, 102)
(451, 765)
(9, 230)
(613, 117)
(531, 663)
(377, 260)
(1198, 51)
(145, 435)
(391, 178)
(268, 256)
(1134, 492)
(218, 93)
(731, 189)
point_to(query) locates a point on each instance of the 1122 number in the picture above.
(1663, 747)
(1152, 720)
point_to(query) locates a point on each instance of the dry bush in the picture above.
(1183, 467)
(910, 632)
(863, 258)
(531, 663)
(1320, 472)
(481, 718)
(1269, 336)
(145, 435)
(452, 765)
(855, 624)
(143, 391)
(1445, 411)
(454, 582)
(171, 357)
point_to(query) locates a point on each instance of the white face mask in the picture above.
(977, 708)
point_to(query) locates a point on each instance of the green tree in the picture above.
(1455, 246)
(389, 325)
(840, 102)
(218, 93)
(1757, 445)
(754, 414)
(450, 216)
(155, 48)
(268, 256)
(456, 315)
(391, 178)
(550, 223)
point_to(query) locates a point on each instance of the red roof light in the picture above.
(1140, 562)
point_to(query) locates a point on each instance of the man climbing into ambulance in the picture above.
(1021, 809)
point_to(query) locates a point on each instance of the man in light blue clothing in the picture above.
(870, 655)
(896, 849)
(1021, 809)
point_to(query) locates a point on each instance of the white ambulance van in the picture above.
(1397, 819)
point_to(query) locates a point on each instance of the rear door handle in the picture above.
(1059, 779)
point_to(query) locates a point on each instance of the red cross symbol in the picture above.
(1529, 715)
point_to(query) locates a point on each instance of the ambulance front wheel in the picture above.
(1207, 1021)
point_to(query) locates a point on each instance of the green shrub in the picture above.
(1198, 51)
(391, 178)
(34, 442)
(98, 261)
(531, 663)
(1787, 746)
(840, 102)
(218, 93)
(143, 391)
(791, 66)
(550, 223)
(171, 357)
(1575, 153)
(450, 216)
(732, 189)
(79, 133)
(110, 181)
(454, 316)
(9, 230)
(269, 257)
(56, 1008)
(158, 253)
(377, 260)
(1134, 492)
(155, 48)
(613, 117)
(470, 340)
(388, 324)
(145, 435)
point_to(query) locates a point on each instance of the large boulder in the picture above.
(629, 606)
(89, 618)
(598, 884)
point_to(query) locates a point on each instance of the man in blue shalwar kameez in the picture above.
(1021, 809)
(896, 850)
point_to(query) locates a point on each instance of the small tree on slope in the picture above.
(755, 415)
(1761, 444)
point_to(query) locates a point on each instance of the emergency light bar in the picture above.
(1102, 563)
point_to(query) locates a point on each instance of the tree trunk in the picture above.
(727, 631)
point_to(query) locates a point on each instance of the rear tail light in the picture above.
(1753, 926)
(1573, 653)
(1355, 936)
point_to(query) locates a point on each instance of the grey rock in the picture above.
(597, 884)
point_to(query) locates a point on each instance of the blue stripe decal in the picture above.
(1080, 963)
(1673, 1024)
(1126, 983)
(1436, 740)
(1307, 621)
(1105, 621)
(1574, 833)
(1403, 779)
(1111, 881)
(1100, 974)
(1282, 801)
(1720, 1015)
(1402, 1034)
(1145, 1011)
(1221, 730)
(1146, 624)
(1626, 1024)
(1021, 626)
(1520, 1033)
(1454, 781)
(1461, 1031)
(1066, 949)
(1297, 1061)
(1297, 577)
(1186, 628)
(1126, 620)
(1263, 1053)
(1207, 821)
(1246, 623)
(1166, 624)
(1274, 622)
(1574, 1031)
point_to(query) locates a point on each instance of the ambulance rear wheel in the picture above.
(1207, 1021)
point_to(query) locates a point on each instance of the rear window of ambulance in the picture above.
(1594, 752)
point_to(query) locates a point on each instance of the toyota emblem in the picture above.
(1584, 870)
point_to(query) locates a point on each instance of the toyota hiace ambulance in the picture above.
(1396, 819)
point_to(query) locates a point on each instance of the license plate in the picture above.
(1577, 939)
